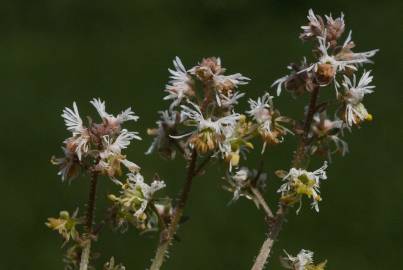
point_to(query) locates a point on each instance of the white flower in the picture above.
(351, 58)
(241, 176)
(110, 164)
(179, 86)
(235, 79)
(121, 142)
(112, 152)
(259, 109)
(126, 115)
(226, 84)
(225, 149)
(233, 147)
(339, 62)
(222, 126)
(78, 143)
(208, 68)
(136, 181)
(209, 134)
(68, 168)
(303, 182)
(314, 27)
(303, 259)
(228, 102)
(338, 21)
(280, 82)
(269, 121)
(331, 130)
(325, 58)
(168, 120)
(239, 180)
(180, 74)
(354, 94)
(73, 120)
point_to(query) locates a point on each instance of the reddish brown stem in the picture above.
(168, 234)
(89, 221)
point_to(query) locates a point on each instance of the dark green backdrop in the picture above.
(55, 52)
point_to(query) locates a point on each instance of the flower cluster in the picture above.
(207, 124)
(331, 58)
(167, 127)
(65, 225)
(203, 123)
(299, 182)
(353, 111)
(208, 133)
(211, 73)
(241, 182)
(334, 63)
(270, 123)
(97, 146)
(326, 136)
(202, 115)
(133, 204)
(97, 149)
(303, 261)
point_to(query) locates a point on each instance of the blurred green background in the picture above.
(56, 52)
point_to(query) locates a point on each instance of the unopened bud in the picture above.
(64, 215)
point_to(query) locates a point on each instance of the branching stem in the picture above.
(297, 162)
(263, 203)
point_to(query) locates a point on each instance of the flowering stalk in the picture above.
(201, 123)
(215, 129)
(167, 234)
(97, 149)
(298, 160)
(318, 132)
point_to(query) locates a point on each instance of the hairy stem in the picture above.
(89, 220)
(266, 248)
(167, 234)
(297, 162)
(262, 202)
(299, 156)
